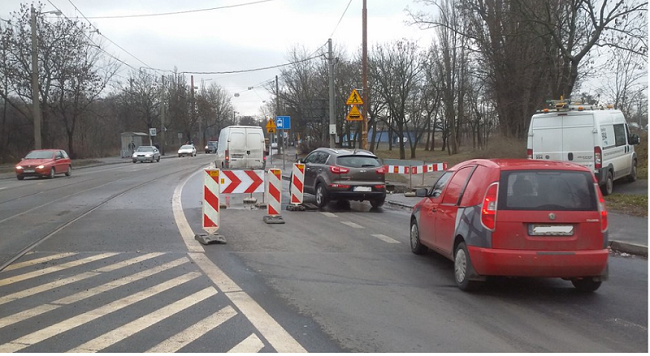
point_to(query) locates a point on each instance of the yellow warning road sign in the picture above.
(270, 126)
(354, 114)
(354, 98)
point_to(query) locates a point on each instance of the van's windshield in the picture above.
(547, 190)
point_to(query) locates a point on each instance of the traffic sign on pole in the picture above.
(354, 114)
(270, 126)
(283, 122)
(354, 98)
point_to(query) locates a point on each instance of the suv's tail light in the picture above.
(598, 158)
(338, 170)
(529, 153)
(601, 209)
(381, 170)
(489, 208)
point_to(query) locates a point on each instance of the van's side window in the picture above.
(619, 134)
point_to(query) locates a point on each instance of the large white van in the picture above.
(241, 147)
(595, 137)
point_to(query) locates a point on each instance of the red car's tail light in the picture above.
(338, 170)
(489, 208)
(602, 210)
(529, 153)
(598, 158)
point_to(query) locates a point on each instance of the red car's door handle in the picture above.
(434, 209)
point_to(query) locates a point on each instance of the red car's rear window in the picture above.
(547, 190)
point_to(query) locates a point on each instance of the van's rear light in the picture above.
(338, 170)
(489, 208)
(381, 170)
(598, 158)
(601, 209)
(529, 153)
(227, 156)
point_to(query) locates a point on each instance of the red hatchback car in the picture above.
(515, 217)
(44, 163)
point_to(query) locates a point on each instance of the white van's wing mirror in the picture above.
(634, 139)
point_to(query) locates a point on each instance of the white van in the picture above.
(595, 137)
(241, 147)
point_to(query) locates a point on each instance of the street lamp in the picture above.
(35, 100)
(234, 119)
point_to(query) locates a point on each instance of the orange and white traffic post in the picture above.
(274, 197)
(211, 216)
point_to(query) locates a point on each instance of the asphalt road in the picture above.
(119, 272)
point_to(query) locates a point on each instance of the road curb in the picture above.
(632, 249)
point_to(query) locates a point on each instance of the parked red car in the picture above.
(44, 163)
(512, 217)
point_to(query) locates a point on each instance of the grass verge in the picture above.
(636, 205)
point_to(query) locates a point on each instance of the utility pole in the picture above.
(162, 117)
(35, 100)
(331, 79)
(277, 113)
(364, 61)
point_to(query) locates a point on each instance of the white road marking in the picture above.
(103, 341)
(81, 319)
(53, 269)
(12, 319)
(183, 226)
(268, 327)
(131, 261)
(120, 282)
(38, 260)
(46, 287)
(351, 224)
(331, 215)
(184, 338)
(252, 344)
(386, 238)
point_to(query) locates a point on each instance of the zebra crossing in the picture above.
(123, 302)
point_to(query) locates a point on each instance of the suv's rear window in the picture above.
(547, 190)
(357, 161)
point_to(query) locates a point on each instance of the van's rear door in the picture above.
(547, 136)
(578, 138)
(254, 148)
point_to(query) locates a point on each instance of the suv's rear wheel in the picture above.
(376, 203)
(463, 269)
(321, 196)
(416, 246)
(608, 188)
(586, 284)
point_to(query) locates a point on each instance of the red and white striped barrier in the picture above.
(297, 183)
(274, 197)
(398, 169)
(433, 167)
(211, 216)
(241, 181)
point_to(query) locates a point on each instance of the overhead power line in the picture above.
(253, 70)
(178, 12)
(338, 23)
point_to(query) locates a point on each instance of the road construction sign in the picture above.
(354, 98)
(354, 114)
(270, 126)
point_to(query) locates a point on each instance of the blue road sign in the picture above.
(283, 122)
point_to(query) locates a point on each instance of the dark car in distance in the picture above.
(44, 163)
(211, 147)
(344, 174)
(515, 218)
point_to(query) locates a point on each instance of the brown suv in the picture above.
(336, 174)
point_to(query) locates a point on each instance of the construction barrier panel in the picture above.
(242, 181)
(274, 197)
(410, 170)
(210, 209)
(297, 183)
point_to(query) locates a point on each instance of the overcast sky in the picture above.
(237, 38)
